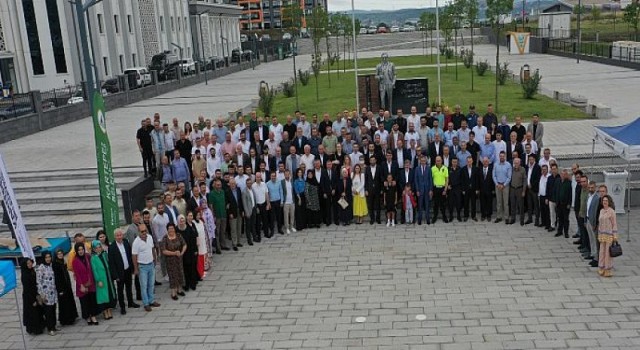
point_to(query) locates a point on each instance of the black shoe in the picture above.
(419, 223)
(250, 243)
(139, 298)
(134, 305)
(575, 236)
(497, 220)
(280, 232)
(521, 223)
(239, 245)
(588, 257)
(509, 222)
(370, 222)
(123, 311)
(185, 288)
(445, 220)
(550, 229)
(218, 251)
(235, 249)
(460, 219)
(379, 222)
(433, 221)
(528, 222)
(156, 283)
(558, 234)
(429, 222)
(474, 218)
(181, 294)
(193, 287)
(593, 263)
(174, 297)
(566, 235)
(225, 248)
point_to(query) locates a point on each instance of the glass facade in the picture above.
(57, 42)
(34, 39)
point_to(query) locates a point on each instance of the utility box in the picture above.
(554, 25)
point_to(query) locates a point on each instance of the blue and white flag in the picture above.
(7, 277)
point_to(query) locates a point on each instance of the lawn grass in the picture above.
(341, 94)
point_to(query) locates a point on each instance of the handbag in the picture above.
(615, 250)
(343, 203)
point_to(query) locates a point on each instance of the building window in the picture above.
(105, 61)
(121, 63)
(34, 39)
(57, 43)
(116, 24)
(179, 25)
(134, 60)
(129, 24)
(161, 24)
(173, 28)
(100, 24)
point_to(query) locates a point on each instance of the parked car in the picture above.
(17, 109)
(188, 66)
(215, 62)
(244, 38)
(77, 97)
(286, 36)
(372, 30)
(166, 64)
(265, 37)
(363, 30)
(394, 29)
(111, 86)
(408, 28)
(382, 30)
(141, 76)
(238, 55)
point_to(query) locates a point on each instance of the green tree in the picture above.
(317, 24)
(495, 11)
(469, 10)
(578, 10)
(596, 14)
(632, 16)
(427, 23)
(292, 16)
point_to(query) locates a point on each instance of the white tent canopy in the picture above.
(623, 140)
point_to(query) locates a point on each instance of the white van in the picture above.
(142, 75)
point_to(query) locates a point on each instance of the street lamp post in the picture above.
(438, 52)
(579, 31)
(355, 53)
(204, 59)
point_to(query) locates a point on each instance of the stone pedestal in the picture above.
(369, 93)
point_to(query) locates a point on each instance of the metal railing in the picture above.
(596, 49)
(16, 105)
(61, 96)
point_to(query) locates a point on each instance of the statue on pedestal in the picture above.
(386, 75)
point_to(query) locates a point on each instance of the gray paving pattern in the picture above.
(484, 286)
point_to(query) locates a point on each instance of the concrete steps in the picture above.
(64, 200)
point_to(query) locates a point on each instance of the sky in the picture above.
(345, 5)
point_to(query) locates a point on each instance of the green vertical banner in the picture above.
(106, 182)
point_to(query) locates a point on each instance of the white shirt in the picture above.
(169, 141)
(411, 136)
(159, 224)
(480, 131)
(384, 135)
(195, 135)
(280, 176)
(289, 198)
(534, 146)
(400, 157)
(543, 161)
(306, 128)
(217, 147)
(529, 172)
(370, 123)
(213, 164)
(463, 134)
(143, 250)
(241, 181)
(415, 119)
(260, 191)
(500, 146)
(307, 160)
(272, 146)
(246, 145)
(589, 203)
(123, 253)
(277, 132)
(203, 150)
(542, 191)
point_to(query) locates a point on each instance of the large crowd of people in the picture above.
(235, 183)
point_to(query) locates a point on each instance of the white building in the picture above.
(215, 25)
(39, 50)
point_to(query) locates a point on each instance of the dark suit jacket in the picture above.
(265, 133)
(234, 207)
(324, 160)
(373, 183)
(402, 124)
(402, 181)
(299, 143)
(405, 155)
(510, 150)
(432, 151)
(486, 183)
(116, 265)
(470, 183)
(455, 178)
(385, 170)
(255, 167)
(245, 159)
(422, 182)
(535, 177)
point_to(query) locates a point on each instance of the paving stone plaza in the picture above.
(442, 287)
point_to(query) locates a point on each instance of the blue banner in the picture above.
(7, 277)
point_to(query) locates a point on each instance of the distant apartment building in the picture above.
(267, 14)
(39, 49)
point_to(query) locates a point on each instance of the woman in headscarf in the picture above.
(104, 240)
(187, 229)
(173, 247)
(312, 193)
(31, 309)
(85, 284)
(203, 245)
(67, 311)
(47, 291)
(344, 191)
(105, 290)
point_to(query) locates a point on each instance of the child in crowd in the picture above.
(408, 204)
(390, 200)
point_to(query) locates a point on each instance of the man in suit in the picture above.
(249, 206)
(121, 268)
(533, 183)
(389, 166)
(322, 157)
(593, 201)
(326, 190)
(293, 160)
(405, 176)
(254, 161)
(455, 189)
(436, 148)
(400, 154)
(514, 146)
(470, 184)
(563, 204)
(240, 158)
(234, 213)
(263, 132)
(422, 183)
(300, 141)
(486, 190)
(373, 189)
(536, 129)
(394, 136)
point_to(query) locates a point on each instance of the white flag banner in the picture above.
(13, 211)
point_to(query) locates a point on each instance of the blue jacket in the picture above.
(422, 181)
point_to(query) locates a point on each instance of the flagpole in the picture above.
(438, 53)
(355, 54)
(24, 339)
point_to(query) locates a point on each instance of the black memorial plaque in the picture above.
(411, 92)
